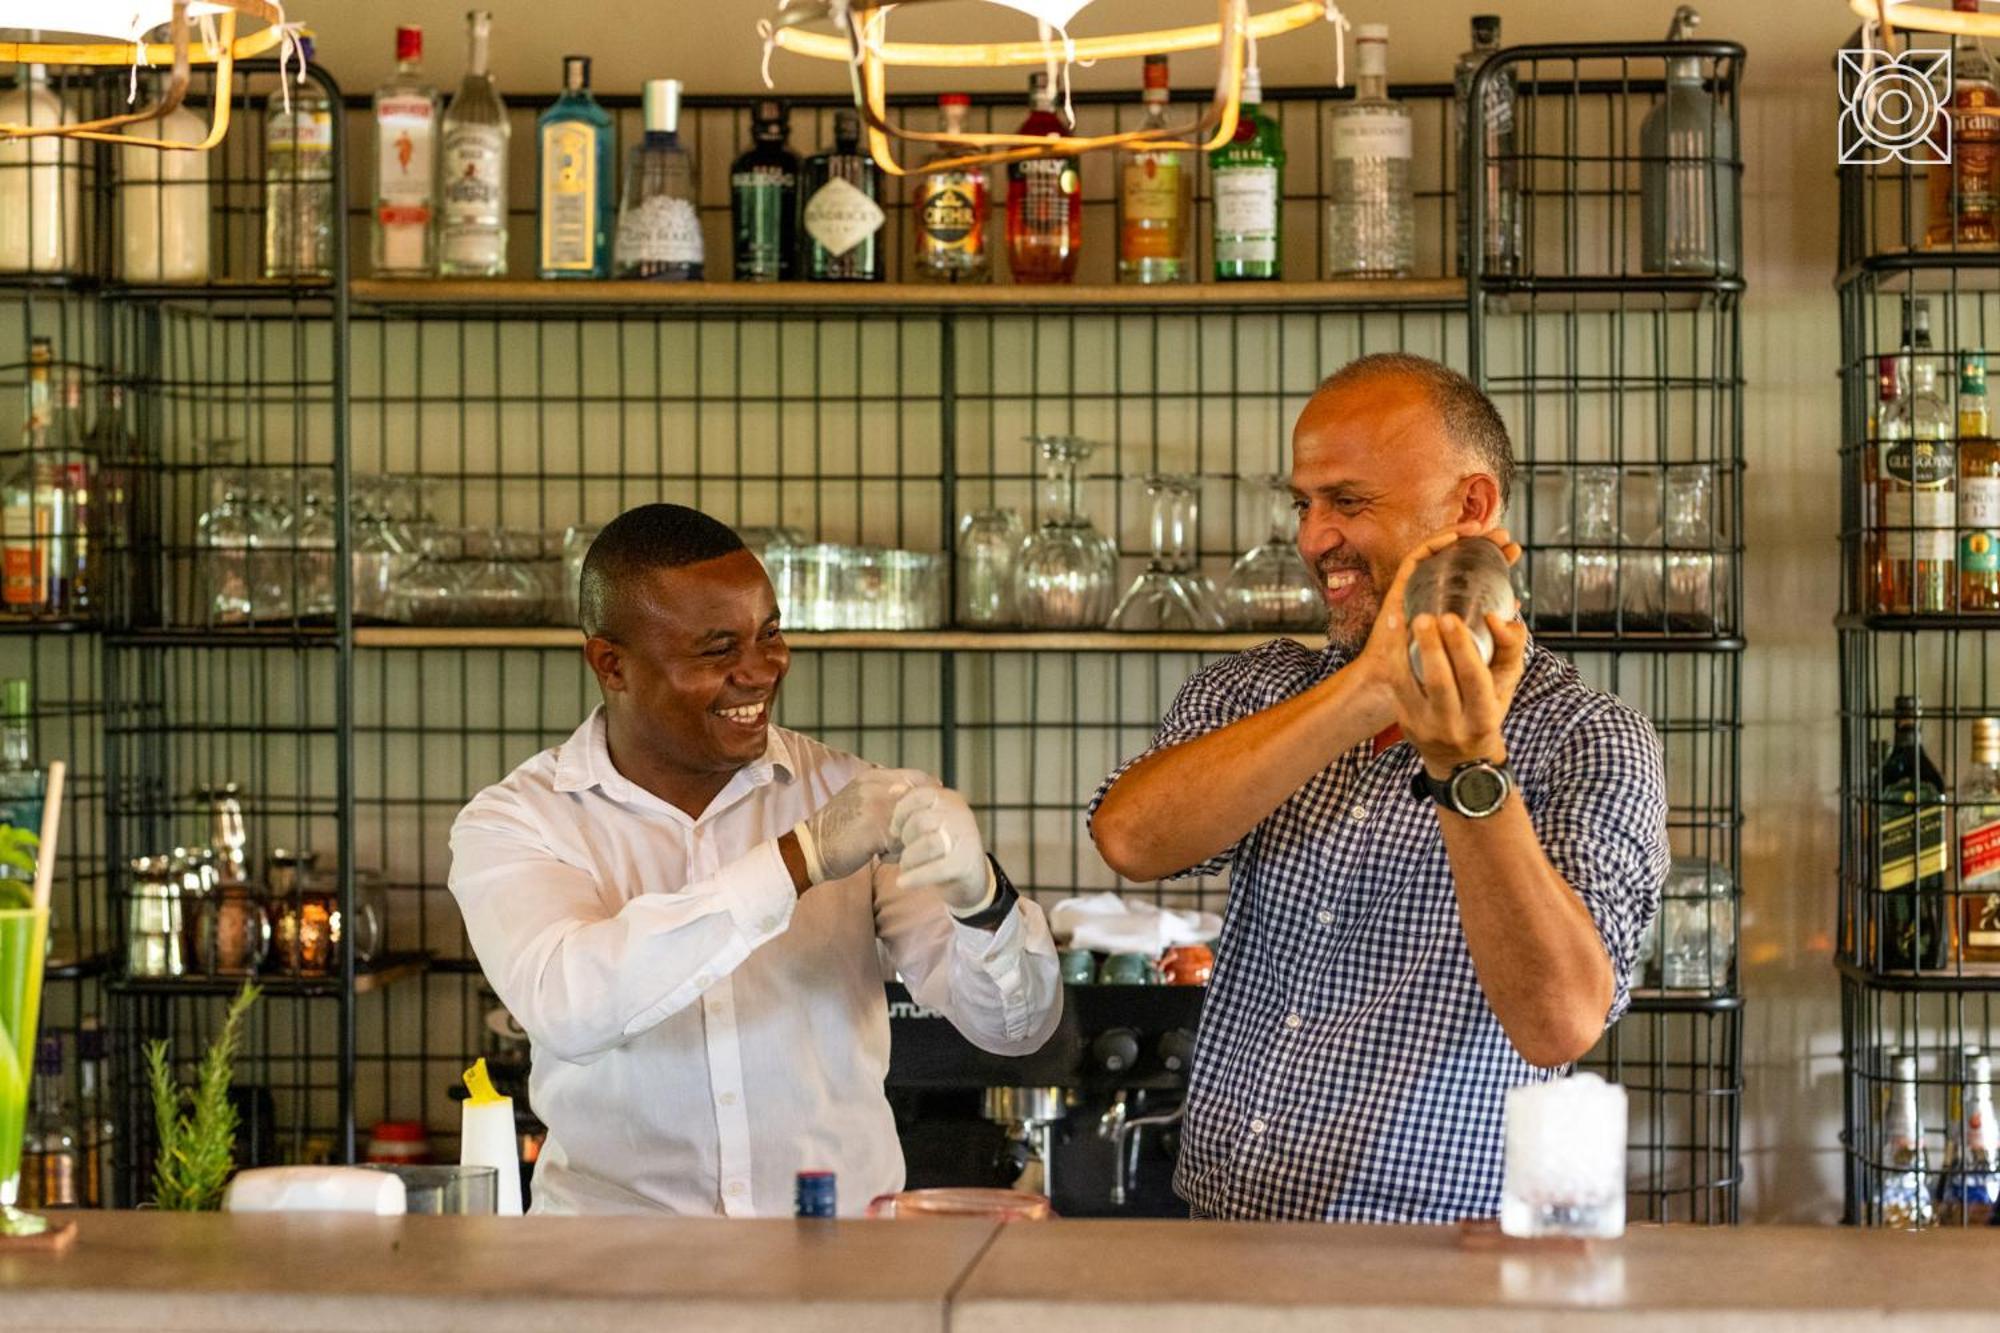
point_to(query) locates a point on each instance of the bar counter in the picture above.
(164, 1272)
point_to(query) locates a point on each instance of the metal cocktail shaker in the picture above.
(1466, 579)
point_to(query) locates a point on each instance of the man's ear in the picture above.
(607, 662)
(1479, 500)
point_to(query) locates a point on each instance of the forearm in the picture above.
(1535, 949)
(1183, 805)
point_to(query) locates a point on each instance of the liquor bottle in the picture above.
(1911, 806)
(1246, 178)
(1498, 186)
(840, 210)
(406, 122)
(43, 499)
(1978, 492)
(472, 205)
(1965, 188)
(1154, 207)
(40, 220)
(764, 199)
(1371, 218)
(51, 1161)
(1905, 1200)
(1918, 484)
(121, 515)
(163, 211)
(659, 231)
(950, 209)
(1044, 200)
(298, 180)
(579, 175)
(1979, 847)
(1969, 1184)
(1687, 174)
(99, 1179)
(20, 783)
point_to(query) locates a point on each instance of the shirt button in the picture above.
(736, 1187)
(1256, 1126)
(727, 1099)
(768, 924)
(702, 980)
(1360, 813)
(1293, 1021)
(1324, 918)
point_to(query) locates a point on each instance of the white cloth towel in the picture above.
(1110, 923)
(315, 1189)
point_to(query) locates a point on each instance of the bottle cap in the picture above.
(1156, 78)
(14, 697)
(847, 127)
(1986, 740)
(663, 106)
(576, 73)
(955, 99)
(1485, 29)
(770, 111)
(1908, 705)
(409, 43)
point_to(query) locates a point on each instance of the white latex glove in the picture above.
(853, 828)
(942, 850)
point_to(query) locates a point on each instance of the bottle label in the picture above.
(1371, 134)
(1048, 189)
(1246, 214)
(24, 554)
(951, 213)
(1975, 144)
(1918, 510)
(569, 197)
(761, 195)
(405, 161)
(662, 230)
(308, 134)
(1913, 847)
(1979, 525)
(1150, 196)
(475, 175)
(840, 217)
(1979, 853)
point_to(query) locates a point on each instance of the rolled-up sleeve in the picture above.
(1002, 988)
(582, 978)
(1604, 829)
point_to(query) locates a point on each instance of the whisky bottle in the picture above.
(1965, 191)
(1918, 481)
(1978, 811)
(1978, 492)
(1912, 861)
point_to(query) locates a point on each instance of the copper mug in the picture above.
(1188, 965)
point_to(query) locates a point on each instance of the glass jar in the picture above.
(153, 931)
(1697, 926)
(989, 546)
(235, 931)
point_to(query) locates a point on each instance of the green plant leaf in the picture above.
(197, 1129)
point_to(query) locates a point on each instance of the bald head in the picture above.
(1467, 418)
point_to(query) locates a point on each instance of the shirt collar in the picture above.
(584, 761)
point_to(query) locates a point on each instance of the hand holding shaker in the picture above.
(1466, 579)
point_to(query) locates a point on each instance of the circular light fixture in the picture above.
(1913, 17)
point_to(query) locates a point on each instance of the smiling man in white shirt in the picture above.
(688, 910)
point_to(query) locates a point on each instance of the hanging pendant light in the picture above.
(860, 40)
(115, 32)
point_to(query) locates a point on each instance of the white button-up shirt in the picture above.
(701, 1033)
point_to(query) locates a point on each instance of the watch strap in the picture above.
(1004, 898)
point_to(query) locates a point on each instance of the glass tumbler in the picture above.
(989, 545)
(1698, 574)
(1697, 926)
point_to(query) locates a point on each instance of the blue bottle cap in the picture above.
(816, 1194)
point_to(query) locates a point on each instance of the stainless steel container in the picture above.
(154, 945)
(1466, 579)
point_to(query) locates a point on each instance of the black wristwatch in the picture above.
(990, 916)
(1474, 790)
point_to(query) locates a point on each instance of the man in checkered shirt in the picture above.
(1391, 963)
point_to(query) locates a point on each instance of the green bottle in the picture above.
(1246, 176)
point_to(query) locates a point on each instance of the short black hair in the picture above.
(1470, 418)
(639, 541)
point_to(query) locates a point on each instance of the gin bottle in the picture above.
(1153, 198)
(950, 209)
(659, 231)
(1498, 184)
(578, 175)
(472, 228)
(763, 199)
(1687, 180)
(841, 217)
(298, 180)
(1371, 219)
(406, 121)
(1245, 178)
(1044, 200)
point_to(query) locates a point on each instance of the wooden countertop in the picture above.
(159, 1272)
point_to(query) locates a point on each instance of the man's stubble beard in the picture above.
(1347, 629)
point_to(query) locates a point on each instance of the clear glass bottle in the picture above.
(1978, 492)
(406, 124)
(1044, 200)
(1918, 483)
(1978, 812)
(840, 212)
(1498, 186)
(99, 1180)
(1687, 180)
(659, 229)
(1155, 198)
(51, 1158)
(223, 539)
(44, 499)
(1965, 192)
(163, 210)
(122, 517)
(1371, 216)
(949, 209)
(472, 208)
(20, 782)
(1246, 178)
(1905, 1198)
(1913, 864)
(579, 177)
(764, 199)
(298, 180)
(40, 219)
(1969, 1184)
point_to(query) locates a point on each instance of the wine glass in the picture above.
(1171, 593)
(1697, 573)
(1064, 577)
(989, 545)
(501, 589)
(1269, 587)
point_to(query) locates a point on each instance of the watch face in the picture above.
(1479, 790)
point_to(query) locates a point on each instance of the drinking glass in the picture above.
(821, 576)
(576, 546)
(314, 544)
(1544, 577)
(989, 544)
(23, 941)
(862, 597)
(1269, 587)
(222, 535)
(384, 547)
(912, 589)
(1698, 575)
(1697, 926)
(154, 934)
(454, 1190)
(1594, 537)
(370, 924)
(1064, 577)
(429, 593)
(1563, 1168)
(1170, 594)
(273, 550)
(497, 587)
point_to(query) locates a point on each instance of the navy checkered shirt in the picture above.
(1348, 1067)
